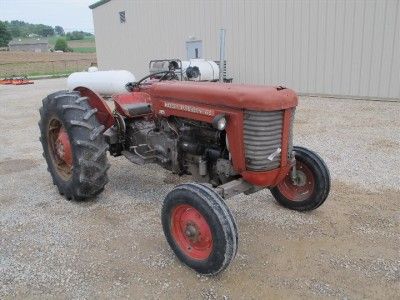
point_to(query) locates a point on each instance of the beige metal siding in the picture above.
(335, 47)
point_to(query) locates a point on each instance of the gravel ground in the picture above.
(114, 247)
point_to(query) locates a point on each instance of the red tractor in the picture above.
(230, 138)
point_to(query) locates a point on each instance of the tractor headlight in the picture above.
(219, 122)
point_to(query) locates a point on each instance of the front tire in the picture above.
(311, 186)
(73, 145)
(199, 228)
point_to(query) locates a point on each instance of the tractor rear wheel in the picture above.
(311, 185)
(73, 145)
(199, 228)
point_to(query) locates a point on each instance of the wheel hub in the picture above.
(191, 232)
(299, 184)
(300, 178)
(60, 148)
(63, 147)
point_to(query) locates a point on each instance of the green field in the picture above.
(55, 74)
(84, 49)
(87, 45)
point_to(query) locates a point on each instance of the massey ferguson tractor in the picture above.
(230, 138)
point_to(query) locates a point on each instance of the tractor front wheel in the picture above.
(308, 186)
(199, 228)
(73, 145)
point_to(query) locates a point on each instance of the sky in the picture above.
(70, 14)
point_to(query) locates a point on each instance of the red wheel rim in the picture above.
(60, 148)
(303, 188)
(63, 147)
(191, 232)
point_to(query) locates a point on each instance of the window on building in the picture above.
(122, 16)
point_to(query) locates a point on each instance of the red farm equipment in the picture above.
(15, 80)
(230, 138)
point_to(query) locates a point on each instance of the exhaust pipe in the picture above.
(221, 54)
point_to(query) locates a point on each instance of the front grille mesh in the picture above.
(262, 137)
(290, 146)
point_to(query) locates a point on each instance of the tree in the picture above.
(14, 30)
(5, 35)
(23, 29)
(75, 35)
(59, 30)
(44, 30)
(20, 28)
(61, 44)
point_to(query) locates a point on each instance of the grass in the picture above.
(84, 49)
(53, 39)
(50, 64)
(42, 73)
(86, 45)
(56, 74)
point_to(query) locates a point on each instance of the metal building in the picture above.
(33, 45)
(318, 47)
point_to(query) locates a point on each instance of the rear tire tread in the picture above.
(90, 164)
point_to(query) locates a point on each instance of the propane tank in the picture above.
(200, 70)
(194, 69)
(163, 65)
(102, 82)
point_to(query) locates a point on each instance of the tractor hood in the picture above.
(238, 96)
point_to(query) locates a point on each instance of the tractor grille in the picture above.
(290, 146)
(262, 138)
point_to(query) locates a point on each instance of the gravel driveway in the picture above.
(114, 247)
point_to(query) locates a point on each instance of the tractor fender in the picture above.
(104, 114)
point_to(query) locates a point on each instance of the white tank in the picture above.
(207, 69)
(102, 82)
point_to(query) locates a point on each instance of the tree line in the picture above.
(21, 29)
